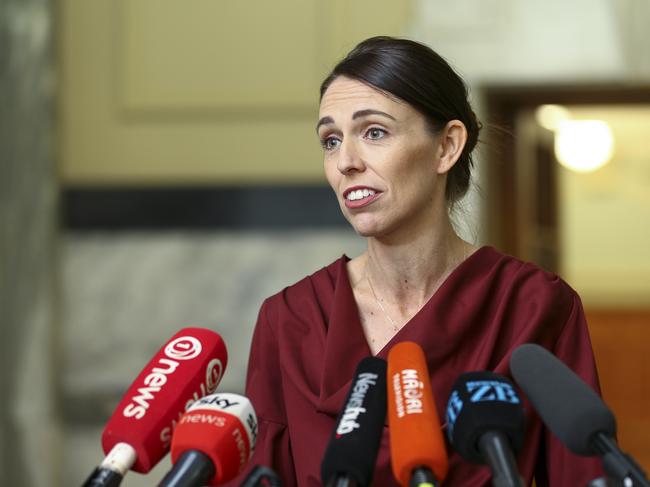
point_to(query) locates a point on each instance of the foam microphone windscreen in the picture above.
(415, 434)
(566, 404)
(222, 426)
(189, 366)
(480, 402)
(354, 442)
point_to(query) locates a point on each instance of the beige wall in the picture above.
(156, 92)
(605, 215)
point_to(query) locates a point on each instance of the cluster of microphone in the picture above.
(173, 406)
(485, 421)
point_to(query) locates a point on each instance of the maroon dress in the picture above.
(309, 340)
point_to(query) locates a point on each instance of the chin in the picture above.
(367, 227)
(365, 233)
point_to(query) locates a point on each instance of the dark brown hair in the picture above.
(416, 74)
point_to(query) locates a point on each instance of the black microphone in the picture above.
(573, 411)
(351, 453)
(261, 476)
(485, 424)
(599, 482)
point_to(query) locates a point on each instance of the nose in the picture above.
(350, 160)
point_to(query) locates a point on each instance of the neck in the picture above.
(410, 270)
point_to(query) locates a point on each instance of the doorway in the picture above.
(592, 228)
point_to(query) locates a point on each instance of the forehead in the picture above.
(350, 95)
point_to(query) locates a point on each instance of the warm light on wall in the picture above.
(550, 116)
(580, 145)
(583, 145)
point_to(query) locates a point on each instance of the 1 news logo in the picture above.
(183, 348)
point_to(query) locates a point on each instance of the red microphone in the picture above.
(139, 433)
(417, 447)
(213, 442)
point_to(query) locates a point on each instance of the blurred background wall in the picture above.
(179, 183)
(28, 247)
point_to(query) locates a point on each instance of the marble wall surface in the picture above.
(29, 439)
(125, 294)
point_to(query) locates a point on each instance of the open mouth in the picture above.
(358, 197)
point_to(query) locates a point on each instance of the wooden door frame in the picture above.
(502, 104)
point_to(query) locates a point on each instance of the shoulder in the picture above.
(518, 288)
(519, 300)
(311, 293)
(516, 275)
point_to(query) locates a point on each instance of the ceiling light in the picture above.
(550, 116)
(583, 145)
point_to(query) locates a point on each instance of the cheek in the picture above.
(331, 173)
(414, 156)
(415, 170)
(416, 180)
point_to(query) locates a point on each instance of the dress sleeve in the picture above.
(264, 389)
(557, 466)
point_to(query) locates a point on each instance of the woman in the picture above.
(397, 133)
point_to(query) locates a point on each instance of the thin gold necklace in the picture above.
(381, 306)
(464, 256)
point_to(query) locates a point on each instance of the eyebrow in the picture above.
(355, 115)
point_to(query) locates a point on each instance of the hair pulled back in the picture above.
(416, 74)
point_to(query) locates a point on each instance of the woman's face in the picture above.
(380, 158)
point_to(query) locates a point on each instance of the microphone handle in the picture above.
(192, 469)
(599, 482)
(343, 480)
(103, 477)
(113, 468)
(422, 476)
(619, 465)
(262, 477)
(495, 448)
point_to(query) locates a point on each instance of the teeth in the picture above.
(359, 194)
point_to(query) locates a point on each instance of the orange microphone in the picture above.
(417, 447)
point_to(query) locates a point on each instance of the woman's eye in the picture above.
(375, 133)
(330, 143)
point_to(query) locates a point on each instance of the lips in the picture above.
(359, 196)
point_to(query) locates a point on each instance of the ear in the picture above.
(452, 141)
